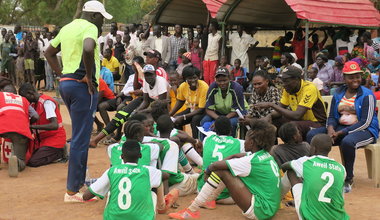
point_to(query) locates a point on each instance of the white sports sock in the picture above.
(188, 168)
(207, 193)
(192, 154)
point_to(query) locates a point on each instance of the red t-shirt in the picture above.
(107, 92)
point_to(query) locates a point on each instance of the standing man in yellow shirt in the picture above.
(78, 85)
(307, 109)
(192, 92)
(111, 63)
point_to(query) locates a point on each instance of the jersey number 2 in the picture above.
(216, 152)
(124, 192)
(329, 183)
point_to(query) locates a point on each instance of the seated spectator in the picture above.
(224, 98)
(174, 81)
(154, 88)
(307, 109)
(292, 148)
(16, 109)
(325, 72)
(111, 63)
(224, 63)
(374, 66)
(286, 60)
(181, 51)
(263, 91)
(312, 75)
(192, 94)
(105, 95)
(107, 76)
(49, 146)
(337, 78)
(238, 73)
(153, 57)
(186, 61)
(352, 121)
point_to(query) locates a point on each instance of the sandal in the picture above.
(109, 141)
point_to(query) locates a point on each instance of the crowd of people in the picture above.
(173, 80)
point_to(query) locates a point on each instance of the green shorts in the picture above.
(29, 64)
(5, 65)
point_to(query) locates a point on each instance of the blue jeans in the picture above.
(234, 122)
(82, 108)
(348, 145)
(49, 76)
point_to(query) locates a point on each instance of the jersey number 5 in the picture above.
(329, 183)
(124, 193)
(216, 152)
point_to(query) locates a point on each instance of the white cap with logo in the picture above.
(96, 6)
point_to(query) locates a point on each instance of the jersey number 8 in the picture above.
(124, 192)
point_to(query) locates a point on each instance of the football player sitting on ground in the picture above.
(51, 135)
(185, 141)
(185, 183)
(129, 185)
(293, 147)
(253, 180)
(216, 148)
(316, 182)
(134, 130)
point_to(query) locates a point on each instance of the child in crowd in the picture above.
(224, 63)
(197, 54)
(181, 51)
(238, 73)
(253, 180)
(292, 148)
(312, 74)
(20, 70)
(316, 182)
(186, 61)
(216, 148)
(129, 185)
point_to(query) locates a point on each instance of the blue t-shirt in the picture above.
(107, 76)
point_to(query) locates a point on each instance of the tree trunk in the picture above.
(58, 5)
(79, 9)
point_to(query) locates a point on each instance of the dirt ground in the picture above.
(38, 193)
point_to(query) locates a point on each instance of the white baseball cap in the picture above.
(96, 6)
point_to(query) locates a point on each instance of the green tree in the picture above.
(61, 12)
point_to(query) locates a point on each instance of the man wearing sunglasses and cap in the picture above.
(78, 85)
(307, 109)
(153, 57)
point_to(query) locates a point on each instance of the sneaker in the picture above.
(170, 199)
(348, 186)
(184, 214)
(209, 205)
(13, 166)
(76, 198)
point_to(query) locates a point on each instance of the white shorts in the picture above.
(188, 185)
(250, 213)
(170, 161)
(297, 194)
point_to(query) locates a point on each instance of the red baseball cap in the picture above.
(351, 67)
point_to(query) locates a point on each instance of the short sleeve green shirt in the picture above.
(71, 38)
